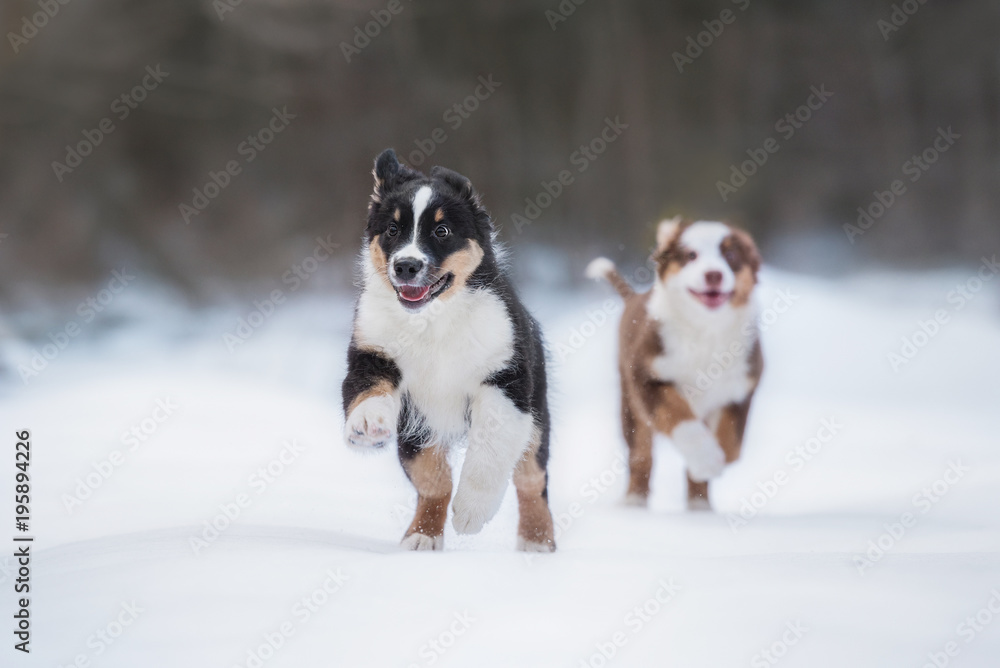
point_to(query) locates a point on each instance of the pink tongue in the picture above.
(412, 293)
(713, 300)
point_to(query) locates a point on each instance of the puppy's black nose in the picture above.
(713, 278)
(407, 268)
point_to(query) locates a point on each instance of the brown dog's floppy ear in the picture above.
(748, 248)
(666, 231)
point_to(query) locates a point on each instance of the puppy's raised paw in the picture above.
(704, 456)
(372, 424)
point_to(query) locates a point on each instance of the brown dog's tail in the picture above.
(604, 268)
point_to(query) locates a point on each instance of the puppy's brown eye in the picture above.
(442, 231)
(690, 256)
(392, 231)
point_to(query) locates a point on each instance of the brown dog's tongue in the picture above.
(412, 293)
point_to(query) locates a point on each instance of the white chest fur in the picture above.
(444, 352)
(707, 354)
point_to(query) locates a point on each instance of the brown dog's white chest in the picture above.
(709, 360)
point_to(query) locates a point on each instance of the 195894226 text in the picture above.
(22, 542)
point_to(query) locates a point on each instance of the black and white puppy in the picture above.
(443, 353)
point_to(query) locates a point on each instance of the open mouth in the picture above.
(415, 296)
(712, 299)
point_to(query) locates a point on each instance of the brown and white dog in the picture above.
(689, 352)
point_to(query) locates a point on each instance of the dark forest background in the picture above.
(940, 69)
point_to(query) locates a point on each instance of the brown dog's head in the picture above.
(709, 263)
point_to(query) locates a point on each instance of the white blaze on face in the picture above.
(705, 238)
(411, 250)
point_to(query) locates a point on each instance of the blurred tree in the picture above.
(231, 64)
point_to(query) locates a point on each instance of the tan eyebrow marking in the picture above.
(395, 216)
(439, 215)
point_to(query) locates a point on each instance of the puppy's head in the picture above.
(710, 264)
(426, 235)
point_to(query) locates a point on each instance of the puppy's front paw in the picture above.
(472, 510)
(372, 423)
(636, 500)
(700, 504)
(702, 452)
(534, 546)
(419, 541)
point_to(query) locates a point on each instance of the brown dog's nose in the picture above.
(713, 278)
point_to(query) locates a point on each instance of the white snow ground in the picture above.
(787, 582)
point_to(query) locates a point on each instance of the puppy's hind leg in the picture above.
(732, 422)
(639, 437)
(535, 532)
(697, 494)
(429, 471)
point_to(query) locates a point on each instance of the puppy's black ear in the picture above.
(463, 188)
(462, 185)
(386, 167)
(389, 173)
